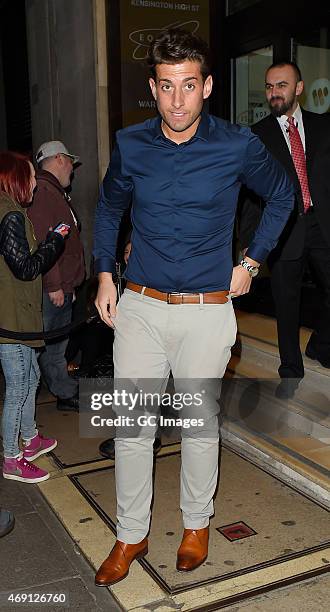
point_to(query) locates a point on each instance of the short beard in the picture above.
(282, 107)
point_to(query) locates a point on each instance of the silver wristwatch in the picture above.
(252, 270)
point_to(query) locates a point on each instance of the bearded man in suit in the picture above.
(300, 141)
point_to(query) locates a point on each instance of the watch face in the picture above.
(254, 272)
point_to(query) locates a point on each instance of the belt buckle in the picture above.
(169, 296)
(182, 294)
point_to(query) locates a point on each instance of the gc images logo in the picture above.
(143, 38)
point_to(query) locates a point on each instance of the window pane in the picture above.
(249, 103)
(314, 63)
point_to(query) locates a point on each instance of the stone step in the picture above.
(295, 432)
(290, 467)
(312, 395)
(252, 401)
(259, 331)
(255, 357)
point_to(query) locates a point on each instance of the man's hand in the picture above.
(57, 297)
(240, 281)
(106, 299)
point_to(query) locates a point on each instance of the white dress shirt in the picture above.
(283, 121)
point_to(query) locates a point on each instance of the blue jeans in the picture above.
(52, 360)
(21, 370)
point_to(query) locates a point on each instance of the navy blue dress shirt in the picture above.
(184, 199)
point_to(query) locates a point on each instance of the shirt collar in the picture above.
(202, 131)
(297, 115)
(157, 128)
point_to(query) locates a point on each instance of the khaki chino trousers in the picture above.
(193, 341)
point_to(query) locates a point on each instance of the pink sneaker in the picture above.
(38, 446)
(20, 469)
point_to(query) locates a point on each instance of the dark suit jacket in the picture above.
(317, 137)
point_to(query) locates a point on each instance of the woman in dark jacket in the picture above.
(22, 262)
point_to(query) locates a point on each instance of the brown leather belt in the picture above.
(214, 297)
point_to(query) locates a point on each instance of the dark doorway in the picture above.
(15, 75)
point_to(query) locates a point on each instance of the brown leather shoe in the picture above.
(116, 565)
(193, 549)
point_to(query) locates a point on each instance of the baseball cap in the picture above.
(54, 147)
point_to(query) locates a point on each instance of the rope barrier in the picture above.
(62, 331)
(49, 335)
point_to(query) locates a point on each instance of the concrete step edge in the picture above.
(247, 342)
(301, 407)
(298, 475)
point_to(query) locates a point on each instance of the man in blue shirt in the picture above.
(182, 172)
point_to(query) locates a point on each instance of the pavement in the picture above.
(39, 557)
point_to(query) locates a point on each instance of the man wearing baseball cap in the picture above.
(51, 205)
(52, 149)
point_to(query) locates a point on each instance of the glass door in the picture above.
(248, 103)
(312, 54)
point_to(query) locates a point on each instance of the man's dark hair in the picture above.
(174, 46)
(287, 63)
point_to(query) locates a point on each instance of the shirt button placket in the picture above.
(178, 199)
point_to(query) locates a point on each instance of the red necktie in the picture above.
(299, 160)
